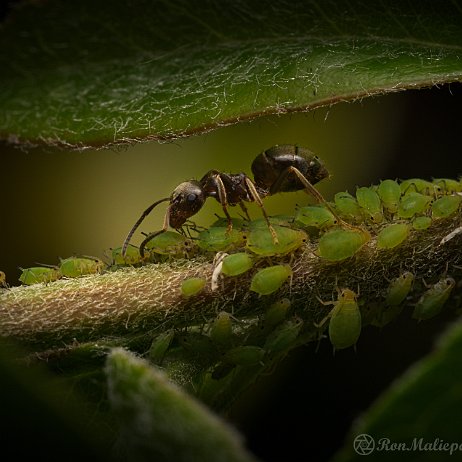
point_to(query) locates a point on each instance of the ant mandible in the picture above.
(281, 168)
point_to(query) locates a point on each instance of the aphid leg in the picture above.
(140, 220)
(223, 199)
(151, 236)
(427, 286)
(256, 197)
(323, 321)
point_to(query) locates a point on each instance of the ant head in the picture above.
(317, 171)
(186, 200)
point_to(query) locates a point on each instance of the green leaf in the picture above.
(160, 422)
(422, 409)
(88, 74)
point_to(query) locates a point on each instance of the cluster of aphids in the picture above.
(72, 267)
(218, 347)
(227, 344)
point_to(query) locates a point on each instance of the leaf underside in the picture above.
(85, 75)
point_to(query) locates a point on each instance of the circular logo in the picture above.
(364, 444)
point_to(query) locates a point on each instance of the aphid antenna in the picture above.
(46, 265)
(107, 259)
(90, 257)
(231, 315)
(318, 344)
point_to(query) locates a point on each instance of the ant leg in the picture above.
(140, 220)
(309, 189)
(151, 236)
(244, 209)
(256, 197)
(223, 199)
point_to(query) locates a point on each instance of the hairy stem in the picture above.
(133, 301)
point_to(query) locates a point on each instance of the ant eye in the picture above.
(191, 197)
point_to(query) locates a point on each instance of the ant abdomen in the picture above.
(273, 168)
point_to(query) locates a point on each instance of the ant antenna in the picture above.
(140, 220)
(153, 235)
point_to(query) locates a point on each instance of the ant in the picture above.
(281, 168)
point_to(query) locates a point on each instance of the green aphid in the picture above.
(192, 286)
(132, 257)
(387, 315)
(221, 331)
(413, 203)
(396, 294)
(283, 337)
(392, 235)
(246, 355)
(160, 345)
(339, 244)
(220, 239)
(369, 201)
(198, 344)
(445, 206)
(169, 243)
(347, 206)
(399, 289)
(38, 274)
(236, 264)
(345, 320)
(74, 267)
(389, 192)
(420, 186)
(269, 280)
(276, 313)
(448, 185)
(316, 216)
(421, 223)
(432, 301)
(260, 241)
